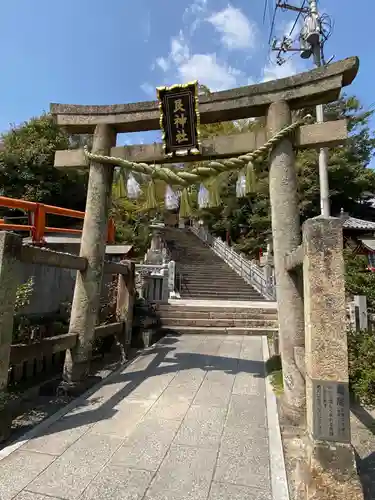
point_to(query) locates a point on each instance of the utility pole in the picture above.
(311, 43)
(323, 154)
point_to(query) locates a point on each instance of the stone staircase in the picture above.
(210, 318)
(214, 298)
(203, 274)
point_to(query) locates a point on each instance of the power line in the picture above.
(265, 10)
(315, 31)
(273, 22)
(298, 17)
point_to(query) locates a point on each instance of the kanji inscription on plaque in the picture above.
(179, 118)
(331, 417)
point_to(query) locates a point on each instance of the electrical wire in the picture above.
(297, 18)
(273, 22)
(264, 10)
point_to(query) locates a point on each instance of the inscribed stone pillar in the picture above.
(330, 456)
(125, 302)
(86, 299)
(10, 247)
(286, 237)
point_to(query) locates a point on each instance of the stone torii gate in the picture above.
(275, 100)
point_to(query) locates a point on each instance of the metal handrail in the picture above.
(249, 271)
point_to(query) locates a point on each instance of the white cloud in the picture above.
(179, 49)
(162, 63)
(273, 71)
(205, 68)
(210, 72)
(196, 8)
(149, 89)
(237, 31)
(194, 15)
(184, 65)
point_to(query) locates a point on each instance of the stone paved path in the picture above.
(187, 420)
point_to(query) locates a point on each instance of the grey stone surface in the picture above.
(86, 297)
(286, 233)
(224, 491)
(180, 424)
(248, 384)
(215, 390)
(171, 405)
(71, 473)
(202, 427)
(244, 439)
(28, 495)
(57, 438)
(245, 469)
(126, 417)
(152, 387)
(118, 483)
(246, 411)
(146, 447)
(19, 469)
(186, 474)
(304, 89)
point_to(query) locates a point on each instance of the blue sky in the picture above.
(115, 51)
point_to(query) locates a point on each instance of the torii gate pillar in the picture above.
(286, 234)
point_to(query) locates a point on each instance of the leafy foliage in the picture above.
(26, 165)
(131, 219)
(351, 183)
(23, 294)
(361, 348)
(358, 281)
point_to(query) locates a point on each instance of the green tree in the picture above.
(352, 183)
(26, 165)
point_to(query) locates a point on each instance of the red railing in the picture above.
(38, 212)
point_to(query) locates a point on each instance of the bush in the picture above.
(361, 348)
(275, 372)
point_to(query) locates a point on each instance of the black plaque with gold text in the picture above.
(179, 119)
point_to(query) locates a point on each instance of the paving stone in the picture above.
(152, 387)
(127, 416)
(231, 349)
(185, 474)
(57, 438)
(28, 495)
(252, 349)
(118, 483)
(243, 469)
(249, 384)
(246, 411)
(148, 445)
(214, 391)
(171, 405)
(223, 491)
(202, 427)
(19, 469)
(188, 379)
(97, 401)
(70, 474)
(244, 439)
(145, 361)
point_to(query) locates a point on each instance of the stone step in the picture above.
(207, 330)
(213, 309)
(220, 295)
(180, 312)
(204, 276)
(213, 285)
(219, 323)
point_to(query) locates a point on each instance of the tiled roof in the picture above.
(353, 223)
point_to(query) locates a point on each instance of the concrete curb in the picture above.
(279, 482)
